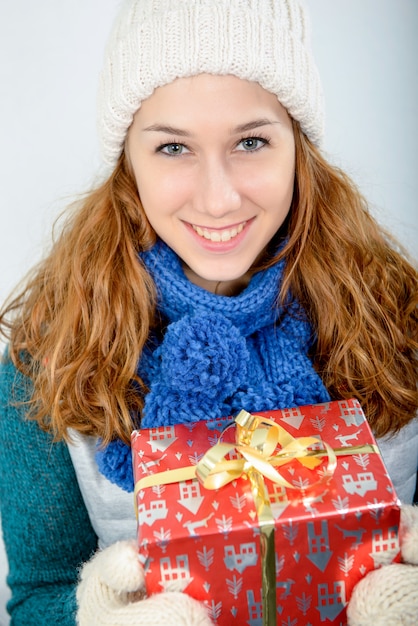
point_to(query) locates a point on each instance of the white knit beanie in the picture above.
(156, 41)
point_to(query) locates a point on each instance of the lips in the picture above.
(219, 235)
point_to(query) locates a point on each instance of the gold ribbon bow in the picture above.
(256, 441)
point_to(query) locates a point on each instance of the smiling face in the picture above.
(214, 161)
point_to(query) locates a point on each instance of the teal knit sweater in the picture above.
(46, 528)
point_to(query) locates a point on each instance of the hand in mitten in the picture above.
(111, 593)
(389, 596)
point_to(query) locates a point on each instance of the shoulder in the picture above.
(15, 388)
(21, 437)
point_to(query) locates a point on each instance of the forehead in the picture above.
(204, 97)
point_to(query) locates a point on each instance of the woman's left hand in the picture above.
(388, 596)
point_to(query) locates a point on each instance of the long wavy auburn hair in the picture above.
(80, 322)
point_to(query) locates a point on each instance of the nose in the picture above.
(216, 192)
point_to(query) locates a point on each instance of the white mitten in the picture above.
(389, 596)
(111, 593)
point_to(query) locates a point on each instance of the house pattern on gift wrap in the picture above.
(352, 415)
(279, 500)
(161, 438)
(331, 599)
(175, 573)
(293, 416)
(360, 484)
(190, 495)
(246, 557)
(157, 510)
(255, 609)
(319, 552)
(384, 546)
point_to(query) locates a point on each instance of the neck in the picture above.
(220, 287)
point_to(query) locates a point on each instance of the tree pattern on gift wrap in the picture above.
(238, 501)
(234, 586)
(163, 538)
(289, 622)
(362, 460)
(290, 532)
(279, 563)
(214, 609)
(213, 440)
(224, 524)
(318, 423)
(346, 563)
(304, 603)
(341, 505)
(301, 483)
(205, 557)
(376, 509)
(195, 458)
(158, 490)
(331, 599)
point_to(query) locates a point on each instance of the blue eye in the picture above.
(251, 144)
(172, 149)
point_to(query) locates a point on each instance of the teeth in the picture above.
(219, 235)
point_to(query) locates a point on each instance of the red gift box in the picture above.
(209, 543)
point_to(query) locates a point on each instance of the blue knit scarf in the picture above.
(218, 355)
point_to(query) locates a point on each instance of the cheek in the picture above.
(272, 182)
(162, 192)
(271, 191)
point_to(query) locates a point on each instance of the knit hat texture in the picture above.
(153, 42)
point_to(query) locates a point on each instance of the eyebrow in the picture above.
(180, 132)
(263, 121)
(169, 130)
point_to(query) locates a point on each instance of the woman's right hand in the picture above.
(111, 592)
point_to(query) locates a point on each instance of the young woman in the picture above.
(222, 264)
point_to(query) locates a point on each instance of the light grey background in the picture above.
(50, 56)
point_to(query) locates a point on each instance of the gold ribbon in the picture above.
(256, 446)
(256, 440)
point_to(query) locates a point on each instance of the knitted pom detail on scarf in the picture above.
(204, 355)
(203, 361)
